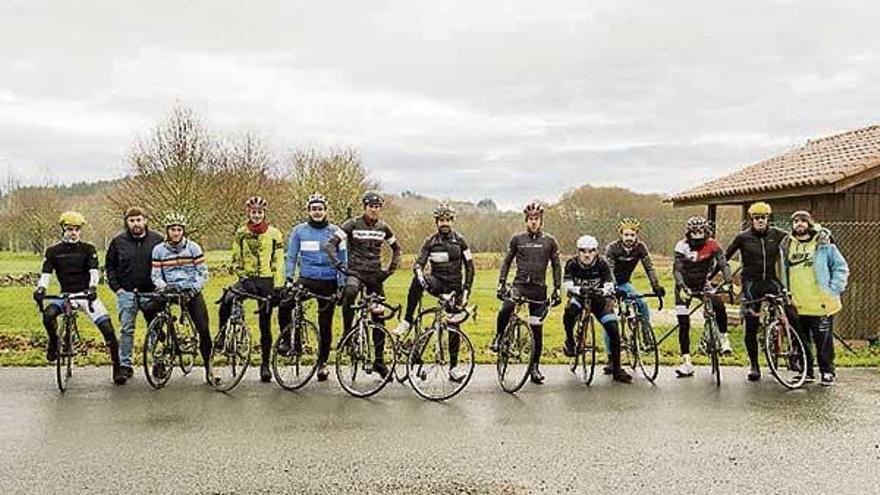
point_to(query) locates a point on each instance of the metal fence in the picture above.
(859, 319)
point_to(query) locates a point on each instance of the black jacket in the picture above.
(759, 253)
(72, 263)
(128, 261)
(532, 252)
(623, 262)
(447, 254)
(365, 240)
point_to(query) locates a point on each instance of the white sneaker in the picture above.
(402, 328)
(725, 344)
(685, 368)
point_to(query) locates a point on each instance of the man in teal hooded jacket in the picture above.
(815, 272)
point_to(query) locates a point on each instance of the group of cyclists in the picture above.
(338, 261)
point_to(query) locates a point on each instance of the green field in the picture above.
(22, 338)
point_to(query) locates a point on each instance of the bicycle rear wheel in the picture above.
(514, 356)
(441, 363)
(230, 361)
(646, 349)
(67, 349)
(158, 357)
(785, 355)
(297, 360)
(356, 358)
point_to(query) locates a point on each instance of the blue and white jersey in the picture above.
(307, 248)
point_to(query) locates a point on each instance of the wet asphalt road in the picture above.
(682, 436)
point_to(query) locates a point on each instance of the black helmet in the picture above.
(372, 198)
(444, 211)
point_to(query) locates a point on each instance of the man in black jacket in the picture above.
(128, 265)
(532, 250)
(365, 235)
(759, 247)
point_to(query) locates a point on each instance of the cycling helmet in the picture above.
(760, 208)
(73, 218)
(173, 219)
(372, 198)
(316, 198)
(696, 223)
(628, 223)
(533, 208)
(256, 203)
(444, 211)
(587, 242)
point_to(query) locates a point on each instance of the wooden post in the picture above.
(712, 213)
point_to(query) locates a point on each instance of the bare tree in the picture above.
(34, 214)
(170, 171)
(338, 174)
(243, 167)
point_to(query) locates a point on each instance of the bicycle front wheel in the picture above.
(514, 356)
(187, 343)
(231, 356)
(441, 363)
(67, 349)
(645, 345)
(295, 355)
(713, 349)
(360, 360)
(158, 355)
(785, 355)
(586, 347)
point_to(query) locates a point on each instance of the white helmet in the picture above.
(587, 242)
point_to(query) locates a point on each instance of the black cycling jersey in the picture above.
(593, 276)
(71, 263)
(532, 252)
(623, 261)
(365, 240)
(759, 252)
(447, 253)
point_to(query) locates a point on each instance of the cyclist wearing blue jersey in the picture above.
(306, 249)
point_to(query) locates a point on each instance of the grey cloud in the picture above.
(508, 99)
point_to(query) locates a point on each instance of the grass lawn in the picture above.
(22, 338)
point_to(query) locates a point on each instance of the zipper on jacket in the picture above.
(763, 261)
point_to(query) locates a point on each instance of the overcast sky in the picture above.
(465, 99)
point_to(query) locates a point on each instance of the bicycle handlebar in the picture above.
(769, 298)
(625, 295)
(248, 295)
(66, 296)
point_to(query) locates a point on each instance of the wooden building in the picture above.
(837, 179)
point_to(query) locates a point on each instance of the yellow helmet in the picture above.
(74, 218)
(628, 223)
(760, 208)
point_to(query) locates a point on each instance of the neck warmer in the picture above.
(258, 228)
(318, 225)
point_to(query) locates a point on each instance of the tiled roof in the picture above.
(819, 162)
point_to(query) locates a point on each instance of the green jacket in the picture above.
(259, 255)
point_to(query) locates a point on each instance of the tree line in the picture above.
(184, 166)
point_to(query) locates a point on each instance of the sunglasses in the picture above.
(587, 250)
(760, 217)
